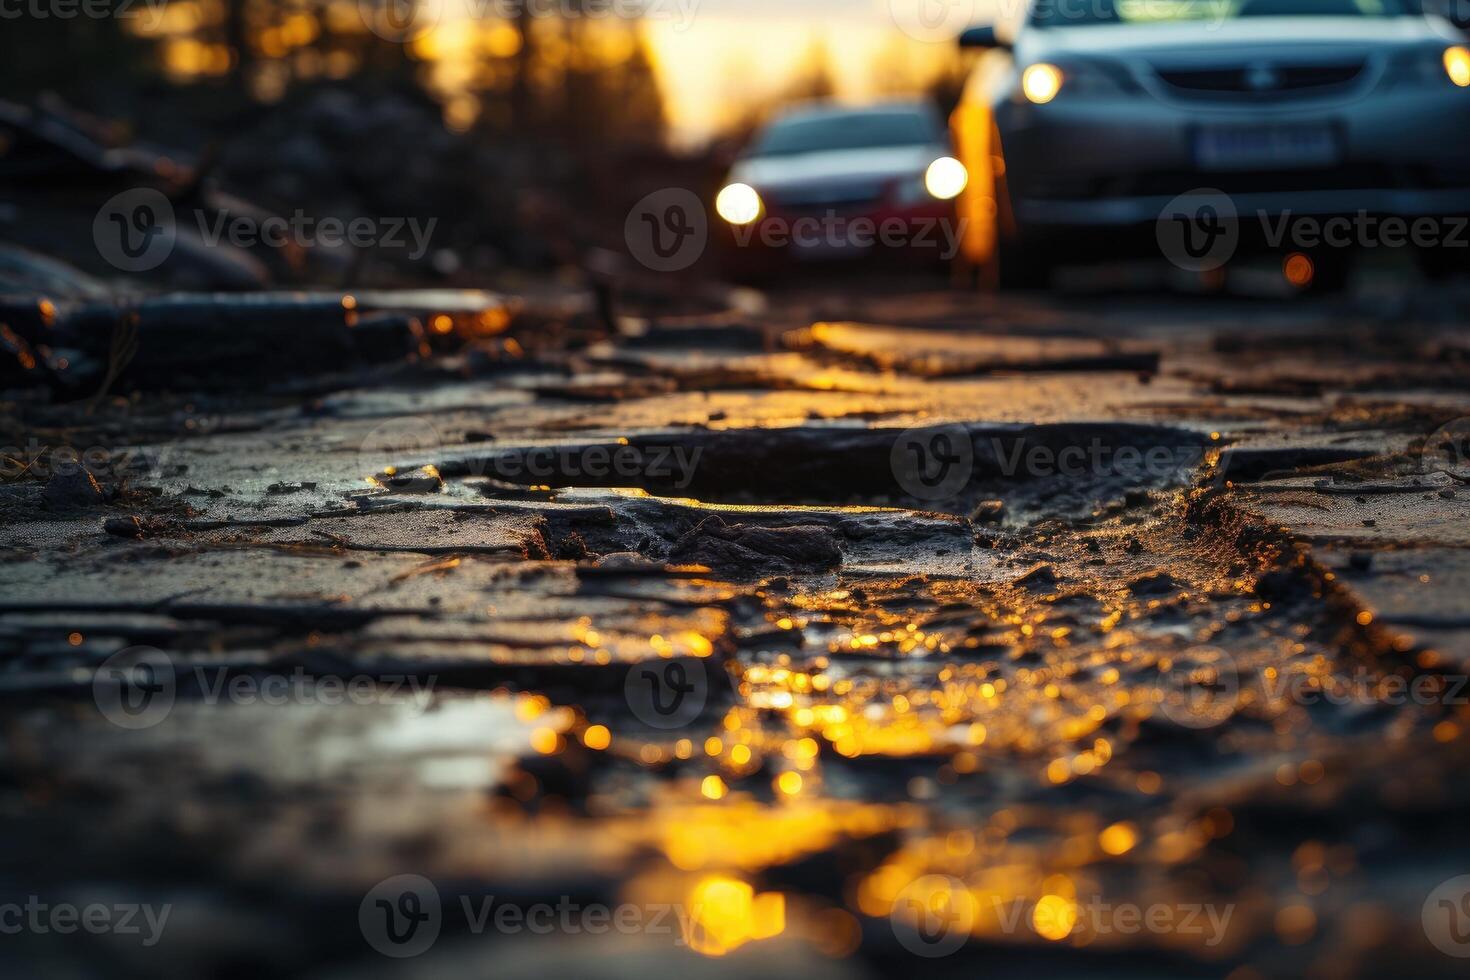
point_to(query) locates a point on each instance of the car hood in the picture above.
(1211, 41)
(869, 165)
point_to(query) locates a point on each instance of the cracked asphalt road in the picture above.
(859, 631)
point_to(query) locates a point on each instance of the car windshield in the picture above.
(846, 131)
(1076, 13)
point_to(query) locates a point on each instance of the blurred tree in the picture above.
(78, 58)
(576, 80)
(946, 87)
(893, 70)
(586, 83)
(814, 78)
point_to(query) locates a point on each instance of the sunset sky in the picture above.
(714, 59)
(731, 52)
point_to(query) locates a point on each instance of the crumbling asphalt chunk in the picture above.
(743, 549)
(950, 353)
(135, 527)
(72, 489)
(217, 341)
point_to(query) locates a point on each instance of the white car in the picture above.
(1079, 125)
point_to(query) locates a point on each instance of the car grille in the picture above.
(820, 199)
(1262, 80)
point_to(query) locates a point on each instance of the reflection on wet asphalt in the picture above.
(905, 632)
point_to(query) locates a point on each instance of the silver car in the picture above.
(1085, 121)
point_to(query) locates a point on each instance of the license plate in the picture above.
(830, 242)
(1265, 147)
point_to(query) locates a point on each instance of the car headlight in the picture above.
(1041, 82)
(945, 178)
(1431, 66)
(1457, 65)
(739, 204)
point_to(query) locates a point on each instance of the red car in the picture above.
(826, 181)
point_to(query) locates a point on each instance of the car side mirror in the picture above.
(981, 38)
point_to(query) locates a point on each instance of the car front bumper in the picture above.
(829, 233)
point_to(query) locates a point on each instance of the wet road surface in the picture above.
(833, 636)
